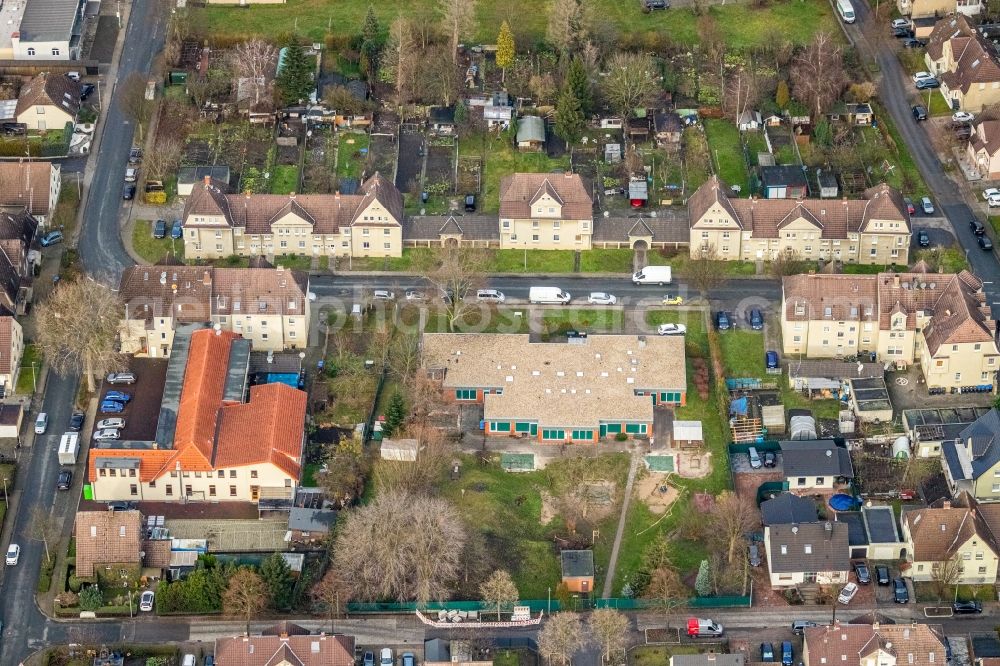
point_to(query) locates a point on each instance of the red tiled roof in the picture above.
(201, 395)
(268, 428)
(107, 537)
(26, 184)
(7, 325)
(306, 650)
(518, 191)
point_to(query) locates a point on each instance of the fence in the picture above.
(547, 605)
(766, 445)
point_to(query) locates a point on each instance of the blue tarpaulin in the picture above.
(738, 406)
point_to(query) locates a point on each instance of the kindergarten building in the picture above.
(582, 390)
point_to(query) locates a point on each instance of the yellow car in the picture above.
(672, 300)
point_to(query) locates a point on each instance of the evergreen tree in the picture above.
(703, 583)
(570, 122)
(371, 44)
(370, 29)
(578, 81)
(781, 95)
(277, 577)
(295, 82)
(395, 414)
(505, 50)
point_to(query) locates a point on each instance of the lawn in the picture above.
(501, 160)
(739, 25)
(680, 261)
(657, 655)
(606, 261)
(352, 153)
(905, 177)
(743, 353)
(284, 179)
(152, 249)
(513, 261)
(309, 475)
(947, 260)
(532, 261)
(31, 368)
(727, 153)
(294, 261)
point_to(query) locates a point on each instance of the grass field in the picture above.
(739, 25)
(350, 158)
(27, 377)
(743, 353)
(538, 261)
(285, 179)
(727, 152)
(152, 249)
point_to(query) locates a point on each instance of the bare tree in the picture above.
(610, 628)
(631, 81)
(499, 590)
(567, 29)
(400, 546)
(741, 94)
(438, 77)
(817, 74)
(456, 272)
(133, 102)
(254, 62)
(77, 329)
(404, 356)
(706, 272)
(164, 157)
(43, 527)
(561, 638)
(730, 519)
(458, 18)
(332, 593)
(245, 595)
(945, 574)
(346, 468)
(400, 58)
(433, 455)
(667, 591)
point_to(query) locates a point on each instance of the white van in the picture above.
(548, 295)
(41, 423)
(490, 296)
(846, 11)
(755, 461)
(660, 275)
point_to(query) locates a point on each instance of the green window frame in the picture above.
(465, 394)
(499, 426)
(635, 428)
(553, 433)
(523, 426)
(583, 434)
(614, 428)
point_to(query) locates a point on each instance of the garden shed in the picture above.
(688, 433)
(530, 133)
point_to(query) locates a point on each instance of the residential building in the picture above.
(964, 62)
(950, 543)
(938, 320)
(971, 461)
(807, 553)
(787, 509)
(17, 260)
(983, 149)
(811, 465)
(555, 393)
(365, 224)
(188, 177)
(545, 211)
(212, 443)
(286, 649)
(267, 306)
(107, 539)
(876, 644)
(42, 30)
(871, 230)
(11, 351)
(578, 570)
(48, 102)
(935, 8)
(30, 187)
(784, 182)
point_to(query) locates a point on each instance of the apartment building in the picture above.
(545, 211)
(30, 187)
(964, 62)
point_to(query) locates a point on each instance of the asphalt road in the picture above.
(898, 94)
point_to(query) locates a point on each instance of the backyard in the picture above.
(727, 153)
(352, 154)
(501, 159)
(284, 179)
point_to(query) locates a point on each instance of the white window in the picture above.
(55, 52)
(31, 52)
(366, 245)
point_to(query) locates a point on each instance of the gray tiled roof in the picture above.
(985, 443)
(820, 457)
(48, 20)
(786, 509)
(430, 227)
(669, 226)
(577, 563)
(826, 544)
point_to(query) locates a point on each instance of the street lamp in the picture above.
(5, 491)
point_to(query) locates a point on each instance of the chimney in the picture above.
(336, 195)
(206, 279)
(946, 504)
(208, 181)
(875, 626)
(895, 281)
(291, 195)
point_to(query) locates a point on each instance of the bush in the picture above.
(621, 437)
(156, 198)
(67, 599)
(74, 584)
(91, 598)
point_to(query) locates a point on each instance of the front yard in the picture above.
(30, 372)
(154, 250)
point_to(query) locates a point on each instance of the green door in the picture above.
(604, 431)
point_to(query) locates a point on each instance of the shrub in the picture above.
(74, 584)
(621, 437)
(67, 599)
(156, 198)
(91, 598)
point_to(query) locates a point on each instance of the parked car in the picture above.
(770, 459)
(900, 23)
(121, 378)
(722, 321)
(910, 208)
(108, 434)
(177, 230)
(415, 295)
(51, 238)
(409, 659)
(13, 554)
(113, 422)
(135, 156)
(671, 329)
(919, 112)
(65, 480)
(383, 295)
(899, 592)
(490, 296)
(755, 461)
(112, 407)
(927, 206)
(146, 601)
(771, 359)
(190, 660)
(76, 421)
(882, 574)
(756, 320)
(962, 117)
(977, 227)
(369, 659)
(923, 238)
(990, 192)
(86, 90)
(128, 192)
(766, 652)
(965, 607)
(655, 4)
(847, 593)
(993, 201)
(131, 174)
(985, 243)
(902, 33)
(922, 76)
(862, 573)
(470, 203)
(928, 84)
(672, 300)
(385, 657)
(119, 396)
(41, 423)
(160, 229)
(753, 555)
(913, 43)
(601, 298)
(798, 626)
(787, 655)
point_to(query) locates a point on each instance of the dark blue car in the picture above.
(771, 359)
(51, 238)
(112, 407)
(787, 656)
(117, 396)
(177, 230)
(766, 652)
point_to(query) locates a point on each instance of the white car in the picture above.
(13, 554)
(116, 423)
(993, 201)
(847, 593)
(383, 295)
(146, 601)
(990, 192)
(41, 423)
(900, 23)
(415, 295)
(927, 206)
(920, 76)
(385, 657)
(108, 433)
(962, 117)
(601, 298)
(671, 329)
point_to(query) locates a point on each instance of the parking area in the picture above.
(143, 410)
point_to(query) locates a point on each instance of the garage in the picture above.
(10, 420)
